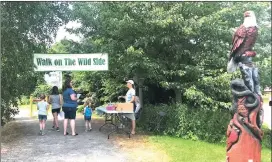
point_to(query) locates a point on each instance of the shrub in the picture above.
(8, 113)
(80, 108)
(24, 100)
(196, 124)
(266, 142)
(42, 89)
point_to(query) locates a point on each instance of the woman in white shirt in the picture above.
(130, 98)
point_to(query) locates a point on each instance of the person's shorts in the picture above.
(69, 113)
(89, 118)
(42, 117)
(130, 116)
(57, 110)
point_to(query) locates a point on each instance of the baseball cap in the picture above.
(130, 81)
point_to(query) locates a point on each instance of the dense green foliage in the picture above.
(24, 100)
(26, 28)
(42, 89)
(80, 109)
(267, 138)
(188, 123)
(195, 124)
(182, 47)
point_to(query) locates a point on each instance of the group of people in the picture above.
(68, 102)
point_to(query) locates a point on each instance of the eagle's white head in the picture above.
(249, 19)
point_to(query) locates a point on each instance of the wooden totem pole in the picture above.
(244, 134)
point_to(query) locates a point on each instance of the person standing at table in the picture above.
(130, 98)
(69, 106)
(55, 99)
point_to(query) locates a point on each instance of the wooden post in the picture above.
(244, 134)
(31, 103)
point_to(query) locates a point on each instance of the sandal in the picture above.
(75, 134)
(66, 133)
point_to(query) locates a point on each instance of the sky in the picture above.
(62, 33)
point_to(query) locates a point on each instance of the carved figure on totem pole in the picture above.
(244, 132)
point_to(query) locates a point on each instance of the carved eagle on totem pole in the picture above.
(244, 38)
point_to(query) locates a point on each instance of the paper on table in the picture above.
(78, 95)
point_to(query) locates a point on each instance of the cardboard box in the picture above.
(124, 107)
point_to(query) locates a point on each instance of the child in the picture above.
(88, 115)
(42, 107)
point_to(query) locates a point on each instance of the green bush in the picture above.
(266, 142)
(196, 124)
(80, 108)
(24, 100)
(42, 89)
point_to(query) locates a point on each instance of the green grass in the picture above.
(181, 150)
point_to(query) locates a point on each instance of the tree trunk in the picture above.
(178, 96)
(141, 80)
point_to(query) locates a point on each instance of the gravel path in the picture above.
(54, 147)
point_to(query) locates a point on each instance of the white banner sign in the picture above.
(71, 62)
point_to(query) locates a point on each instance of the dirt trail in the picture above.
(87, 146)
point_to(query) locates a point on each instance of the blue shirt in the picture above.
(67, 101)
(88, 111)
